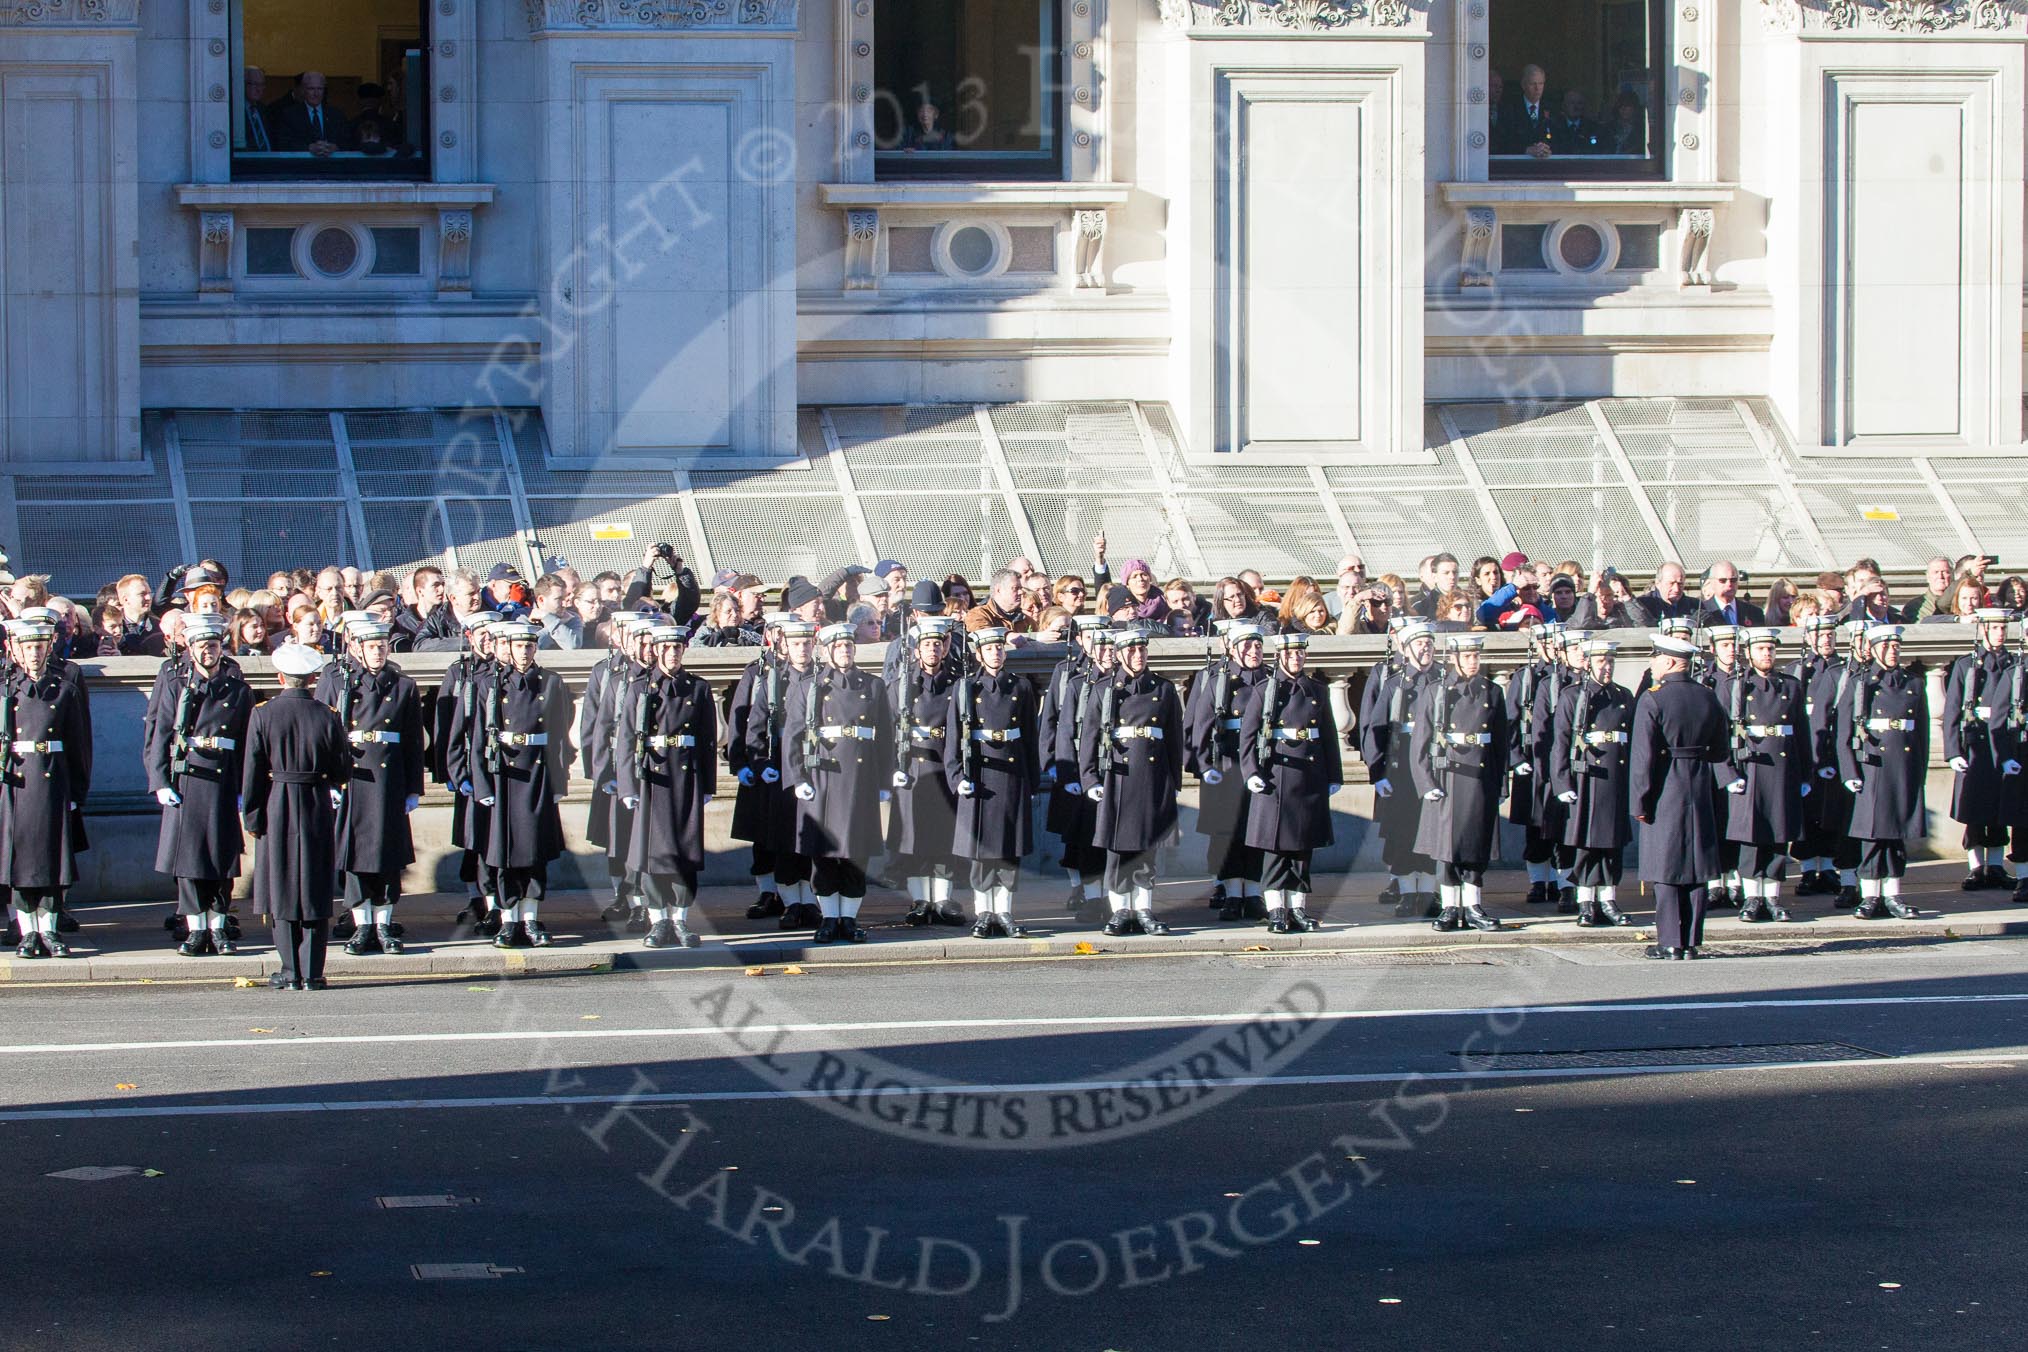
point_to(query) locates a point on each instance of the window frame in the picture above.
(244, 166)
(1653, 167)
(1052, 165)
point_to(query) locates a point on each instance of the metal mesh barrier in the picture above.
(253, 539)
(1594, 526)
(775, 537)
(83, 546)
(571, 531)
(1754, 527)
(970, 535)
(1283, 535)
(1855, 520)
(1133, 520)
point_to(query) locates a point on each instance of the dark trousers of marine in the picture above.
(1679, 915)
(195, 896)
(301, 947)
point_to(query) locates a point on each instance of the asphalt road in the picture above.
(1515, 1148)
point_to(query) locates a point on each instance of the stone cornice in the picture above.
(1282, 17)
(70, 13)
(647, 16)
(1895, 18)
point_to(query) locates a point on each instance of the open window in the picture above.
(968, 89)
(338, 89)
(1575, 89)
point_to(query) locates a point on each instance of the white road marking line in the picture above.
(1941, 1060)
(751, 1032)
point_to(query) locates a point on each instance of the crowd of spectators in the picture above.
(425, 606)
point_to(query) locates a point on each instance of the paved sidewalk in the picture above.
(126, 941)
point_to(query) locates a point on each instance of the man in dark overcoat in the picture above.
(521, 769)
(666, 768)
(1679, 750)
(1883, 761)
(1588, 775)
(1767, 726)
(45, 772)
(923, 822)
(839, 747)
(1131, 766)
(1290, 763)
(993, 763)
(1459, 758)
(296, 760)
(381, 711)
(194, 758)
(1211, 717)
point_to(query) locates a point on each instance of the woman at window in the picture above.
(927, 132)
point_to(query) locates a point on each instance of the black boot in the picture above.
(1449, 919)
(1256, 907)
(1390, 895)
(365, 939)
(1538, 893)
(1975, 881)
(767, 908)
(197, 945)
(1658, 953)
(1479, 920)
(389, 941)
(1431, 907)
(918, 915)
(1848, 895)
(1121, 923)
(1302, 920)
(489, 923)
(661, 934)
(947, 913)
(1278, 921)
(1588, 916)
(801, 915)
(1148, 924)
(1996, 878)
(827, 930)
(1217, 899)
(1869, 909)
(2021, 891)
(849, 930)
(1409, 907)
(987, 926)
(536, 934)
(637, 918)
(507, 936)
(684, 937)
(1752, 913)
(617, 911)
(1008, 927)
(1610, 914)
(1566, 901)
(1778, 913)
(1900, 910)
(1233, 909)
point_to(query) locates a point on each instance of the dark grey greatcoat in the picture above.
(2008, 732)
(1525, 739)
(1889, 762)
(769, 810)
(1458, 828)
(1545, 810)
(1590, 752)
(594, 746)
(455, 718)
(373, 830)
(620, 690)
(37, 849)
(1072, 816)
(1140, 775)
(1978, 681)
(1213, 738)
(996, 823)
(295, 756)
(1294, 814)
(200, 837)
(523, 828)
(925, 817)
(1830, 803)
(1774, 764)
(1386, 734)
(848, 772)
(672, 781)
(1679, 755)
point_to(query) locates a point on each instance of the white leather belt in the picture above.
(996, 735)
(658, 742)
(1596, 738)
(1984, 712)
(1890, 725)
(1137, 734)
(1768, 729)
(214, 744)
(926, 734)
(30, 748)
(1231, 724)
(1469, 738)
(1298, 735)
(356, 737)
(847, 731)
(524, 739)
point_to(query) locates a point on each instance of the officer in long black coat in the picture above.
(1529, 783)
(296, 759)
(597, 714)
(44, 771)
(194, 757)
(760, 686)
(1071, 815)
(1827, 694)
(777, 690)
(839, 744)
(1724, 888)
(1290, 764)
(666, 763)
(1056, 707)
(2008, 731)
(1211, 718)
(1550, 811)
(1131, 765)
(1814, 846)
(923, 822)
(1883, 760)
(1969, 694)
(1459, 756)
(520, 771)
(992, 758)
(69, 672)
(1679, 751)
(381, 711)
(1769, 740)
(1385, 732)
(1589, 766)
(455, 722)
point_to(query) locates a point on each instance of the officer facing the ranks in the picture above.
(296, 759)
(1459, 749)
(1212, 716)
(381, 711)
(194, 758)
(1768, 745)
(667, 770)
(1970, 690)
(1132, 767)
(992, 763)
(1589, 774)
(519, 776)
(923, 823)
(44, 771)
(839, 745)
(1289, 757)
(1678, 741)
(1883, 758)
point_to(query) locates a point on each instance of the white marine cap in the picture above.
(364, 630)
(477, 620)
(1765, 635)
(26, 631)
(516, 629)
(1085, 624)
(296, 659)
(1984, 614)
(1243, 631)
(1677, 624)
(198, 628)
(778, 619)
(1722, 633)
(662, 634)
(1594, 647)
(835, 633)
(1130, 638)
(1281, 643)
(991, 635)
(348, 618)
(791, 627)
(1464, 643)
(1883, 633)
(1415, 629)
(931, 626)
(1672, 646)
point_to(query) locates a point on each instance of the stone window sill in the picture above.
(943, 212)
(306, 193)
(944, 196)
(1527, 193)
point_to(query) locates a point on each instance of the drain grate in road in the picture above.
(426, 1200)
(1767, 1053)
(1436, 957)
(460, 1272)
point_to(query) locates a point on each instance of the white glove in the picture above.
(746, 776)
(771, 776)
(2012, 767)
(1074, 789)
(1567, 796)
(168, 798)
(966, 788)
(1736, 786)
(1523, 768)
(1434, 795)
(411, 803)
(1213, 776)
(1383, 788)
(1854, 785)
(900, 780)
(1828, 772)
(805, 792)
(1256, 783)
(886, 795)
(487, 802)
(631, 802)
(1097, 793)
(1803, 789)
(1960, 764)
(337, 798)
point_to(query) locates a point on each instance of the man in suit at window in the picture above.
(259, 119)
(306, 122)
(1573, 133)
(1531, 131)
(1723, 604)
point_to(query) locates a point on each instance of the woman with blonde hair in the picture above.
(1781, 602)
(1304, 610)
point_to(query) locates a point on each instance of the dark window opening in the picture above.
(1575, 89)
(333, 90)
(967, 89)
